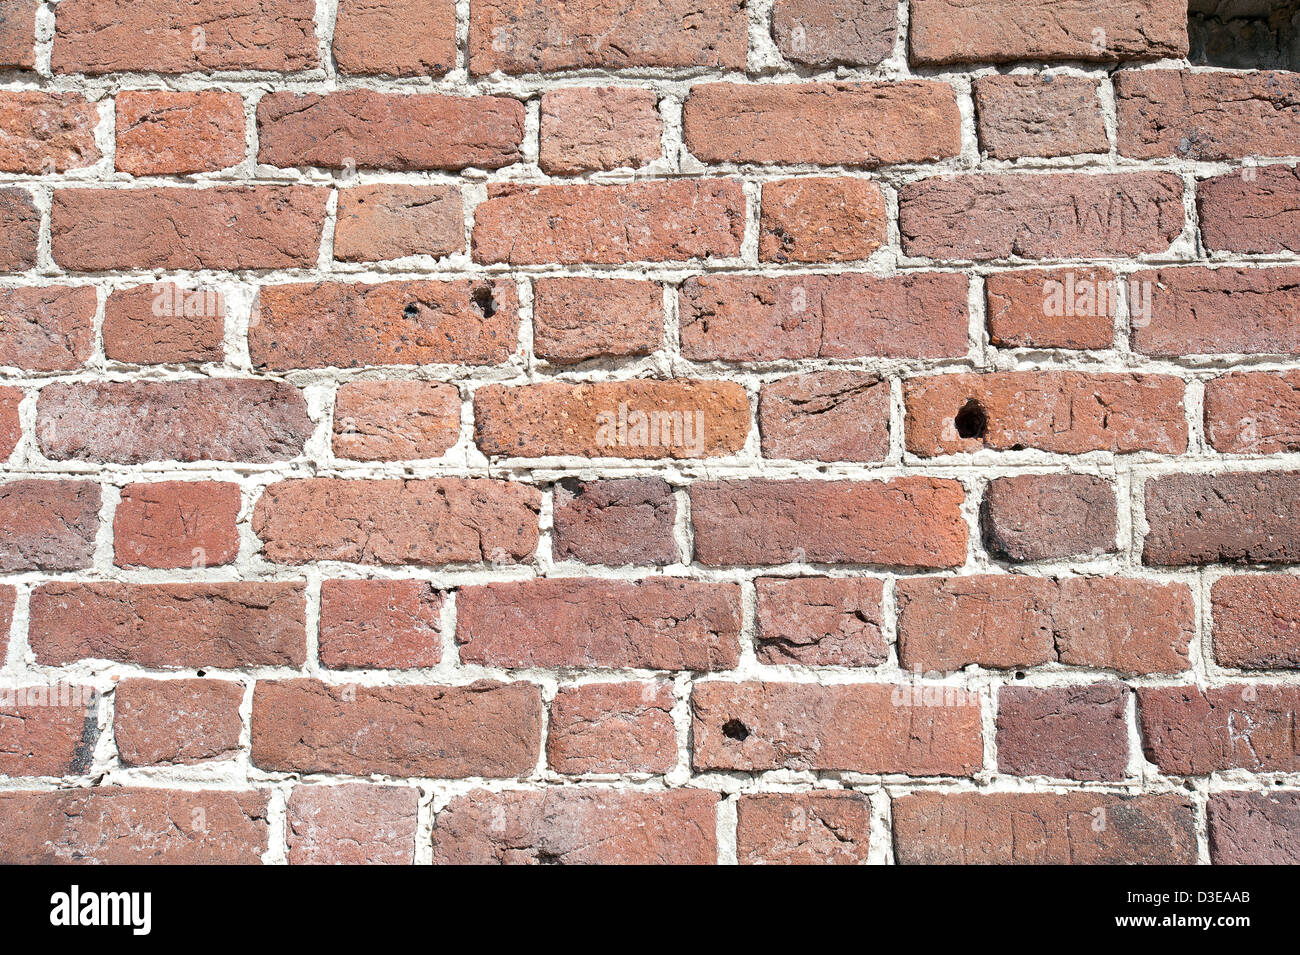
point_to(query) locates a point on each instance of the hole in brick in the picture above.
(1244, 34)
(1020, 674)
(734, 729)
(484, 302)
(547, 858)
(411, 310)
(971, 421)
(573, 486)
(203, 673)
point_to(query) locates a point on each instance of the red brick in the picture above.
(911, 522)
(395, 37)
(221, 227)
(528, 36)
(1002, 621)
(1257, 621)
(47, 133)
(112, 826)
(760, 318)
(575, 319)
(20, 227)
(176, 524)
(1073, 828)
(830, 124)
(586, 129)
(17, 34)
(1000, 31)
(825, 416)
(160, 722)
(47, 329)
(612, 728)
(173, 36)
(816, 828)
(821, 220)
(429, 522)
(484, 729)
(214, 419)
(1074, 732)
(1253, 412)
(1255, 828)
(1049, 516)
(681, 418)
(1039, 115)
(617, 522)
(1052, 308)
(163, 323)
(659, 623)
(162, 132)
(170, 626)
(820, 621)
(11, 429)
(48, 729)
(1197, 311)
(1036, 216)
(380, 624)
(832, 32)
(1206, 116)
(352, 824)
(393, 221)
(395, 420)
(1065, 412)
(1188, 731)
(1236, 517)
(647, 221)
(392, 131)
(8, 597)
(48, 525)
(867, 728)
(1254, 210)
(320, 324)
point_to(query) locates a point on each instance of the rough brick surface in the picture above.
(47, 132)
(1255, 828)
(821, 220)
(835, 416)
(396, 37)
(827, 32)
(1257, 621)
(386, 624)
(177, 721)
(1251, 210)
(820, 621)
(1052, 308)
(48, 525)
(1049, 516)
(618, 522)
(377, 223)
(818, 828)
(17, 32)
(176, 524)
(1197, 311)
(47, 730)
(165, 323)
(160, 133)
(352, 824)
(575, 319)
(1039, 116)
(21, 222)
(1253, 412)
(1076, 732)
(47, 329)
(395, 420)
(602, 127)
(1192, 732)
(11, 429)
(612, 728)
(1233, 517)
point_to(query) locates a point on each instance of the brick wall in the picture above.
(685, 431)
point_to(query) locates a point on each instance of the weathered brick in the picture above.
(1189, 731)
(529, 36)
(47, 133)
(395, 37)
(393, 521)
(114, 826)
(47, 329)
(1065, 412)
(176, 524)
(371, 130)
(158, 722)
(681, 418)
(1075, 828)
(820, 621)
(1253, 412)
(382, 222)
(8, 598)
(913, 522)
(11, 429)
(1235, 517)
(1253, 210)
(867, 728)
(1002, 621)
(617, 521)
(1257, 621)
(761, 318)
(1049, 516)
(352, 824)
(821, 220)
(1254, 828)
(659, 623)
(161, 132)
(825, 416)
(830, 124)
(1052, 308)
(585, 129)
(1037, 216)
(646, 221)
(219, 227)
(484, 729)
(395, 420)
(321, 324)
(1000, 31)
(380, 624)
(17, 34)
(612, 728)
(575, 319)
(1198, 311)
(1073, 732)
(48, 525)
(215, 419)
(816, 828)
(168, 626)
(20, 228)
(163, 323)
(832, 32)
(1207, 116)
(48, 729)
(1039, 115)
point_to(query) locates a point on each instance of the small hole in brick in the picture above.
(203, 673)
(971, 421)
(484, 301)
(1020, 674)
(734, 729)
(411, 310)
